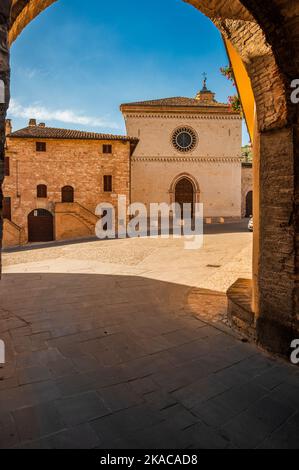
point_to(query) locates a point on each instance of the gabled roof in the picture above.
(39, 132)
(177, 102)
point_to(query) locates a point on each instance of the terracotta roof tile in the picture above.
(37, 132)
(177, 101)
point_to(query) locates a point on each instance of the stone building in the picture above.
(189, 151)
(55, 178)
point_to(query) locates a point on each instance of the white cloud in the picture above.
(36, 111)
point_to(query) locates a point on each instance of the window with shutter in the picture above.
(107, 149)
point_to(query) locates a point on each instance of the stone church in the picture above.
(189, 151)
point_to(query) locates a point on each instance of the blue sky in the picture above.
(73, 68)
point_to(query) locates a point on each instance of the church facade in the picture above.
(189, 151)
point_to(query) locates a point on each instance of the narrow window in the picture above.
(67, 194)
(108, 186)
(41, 146)
(42, 191)
(6, 208)
(107, 149)
(6, 166)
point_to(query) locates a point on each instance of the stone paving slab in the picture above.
(156, 377)
(118, 360)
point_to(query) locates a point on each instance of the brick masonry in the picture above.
(80, 164)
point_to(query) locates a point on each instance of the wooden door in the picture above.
(184, 194)
(40, 226)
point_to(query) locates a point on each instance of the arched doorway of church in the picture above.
(40, 226)
(249, 204)
(184, 194)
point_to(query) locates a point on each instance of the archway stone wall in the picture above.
(194, 182)
(266, 36)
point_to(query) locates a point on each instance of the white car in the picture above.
(250, 225)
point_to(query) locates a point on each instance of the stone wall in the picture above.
(219, 183)
(12, 234)
(278, 178)
(214, 165)
(73, 221)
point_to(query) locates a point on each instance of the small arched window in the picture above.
(42, 191)
(67, 194)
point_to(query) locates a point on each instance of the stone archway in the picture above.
(184, 194)
(192, 180)
(265, 35)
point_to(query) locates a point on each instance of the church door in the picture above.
(184, 194)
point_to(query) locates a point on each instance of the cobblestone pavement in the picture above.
(104, 351)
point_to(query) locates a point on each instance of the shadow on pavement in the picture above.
(97, 361)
